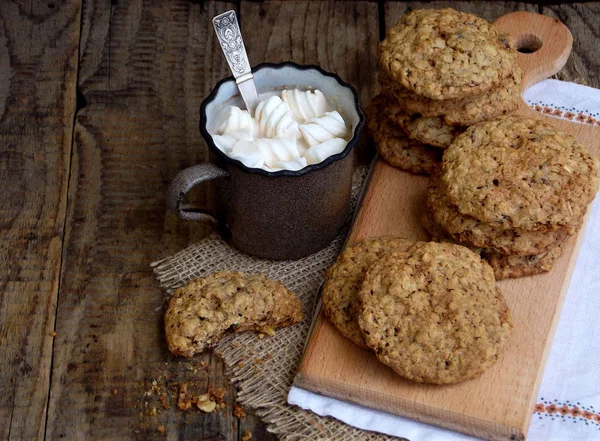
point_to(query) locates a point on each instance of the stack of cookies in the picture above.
(440, 72)
(431, 311)
(203, 311)
(514, 190)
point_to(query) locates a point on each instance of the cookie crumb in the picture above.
(247, 436)
(183, 401)
(164, 401)
(217, 393)
(238, 411)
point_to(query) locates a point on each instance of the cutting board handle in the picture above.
(544, 44)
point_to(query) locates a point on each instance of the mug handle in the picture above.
(184, 182)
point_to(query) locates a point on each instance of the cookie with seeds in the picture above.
(466, 229)
(503, 99)
(515, 172)
(395, 147)
(433, 314)
(201, 312)
(505, 266)
(432, 131)
(344, 279)
(446, 54)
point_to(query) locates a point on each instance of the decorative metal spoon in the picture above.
(230, 37)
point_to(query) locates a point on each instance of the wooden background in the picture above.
(98, 112)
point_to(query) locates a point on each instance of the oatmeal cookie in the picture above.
(501, 100)
(505, 266)
(201, 312)
(515, 172)
(433, 314)
(395, 147)
(344, 278)
(432, 130)
(466, 229)
(444, 54)
(511, 266)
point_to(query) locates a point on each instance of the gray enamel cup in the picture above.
(283, 214)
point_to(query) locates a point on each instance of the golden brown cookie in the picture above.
(466, 229)
(445, 54)
(432, 131)
(433, 314)
(511, 266)
(395, 147)
(344, 278)
(201, 312)
(505, 266)
(500, 100)
(515, 172)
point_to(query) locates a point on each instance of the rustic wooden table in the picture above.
(99, 110)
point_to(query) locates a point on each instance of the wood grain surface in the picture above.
(98, 111)
(499, 404)
(38, 68)
(144, 69)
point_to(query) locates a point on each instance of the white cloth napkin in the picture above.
(568, 407)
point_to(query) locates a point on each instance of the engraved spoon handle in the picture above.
(230, 38)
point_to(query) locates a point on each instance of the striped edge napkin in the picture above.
(568, 406)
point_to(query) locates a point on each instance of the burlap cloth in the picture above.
(264, 387)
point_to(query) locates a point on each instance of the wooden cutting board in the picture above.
(499, 404)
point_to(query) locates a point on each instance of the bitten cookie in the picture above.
(433, 314)
(201, 312)
(515, 172)
(395, 147)
(344, 278)
(443, 54)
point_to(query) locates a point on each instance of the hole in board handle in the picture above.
(528, 44)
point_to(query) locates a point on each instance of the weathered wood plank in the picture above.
(583, 19)
(341, 37)
(38, 71)
(145, 66)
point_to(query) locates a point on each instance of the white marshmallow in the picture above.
(234, 119)
(321, 152)
(306, 104)
(275, 119)
(226, 141)
(278, 150)
(330, 125)
(248, 153)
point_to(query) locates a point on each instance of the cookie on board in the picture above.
(445, 54)
(395, 147)
(515, 172)
(344, 279)
(433, 314)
